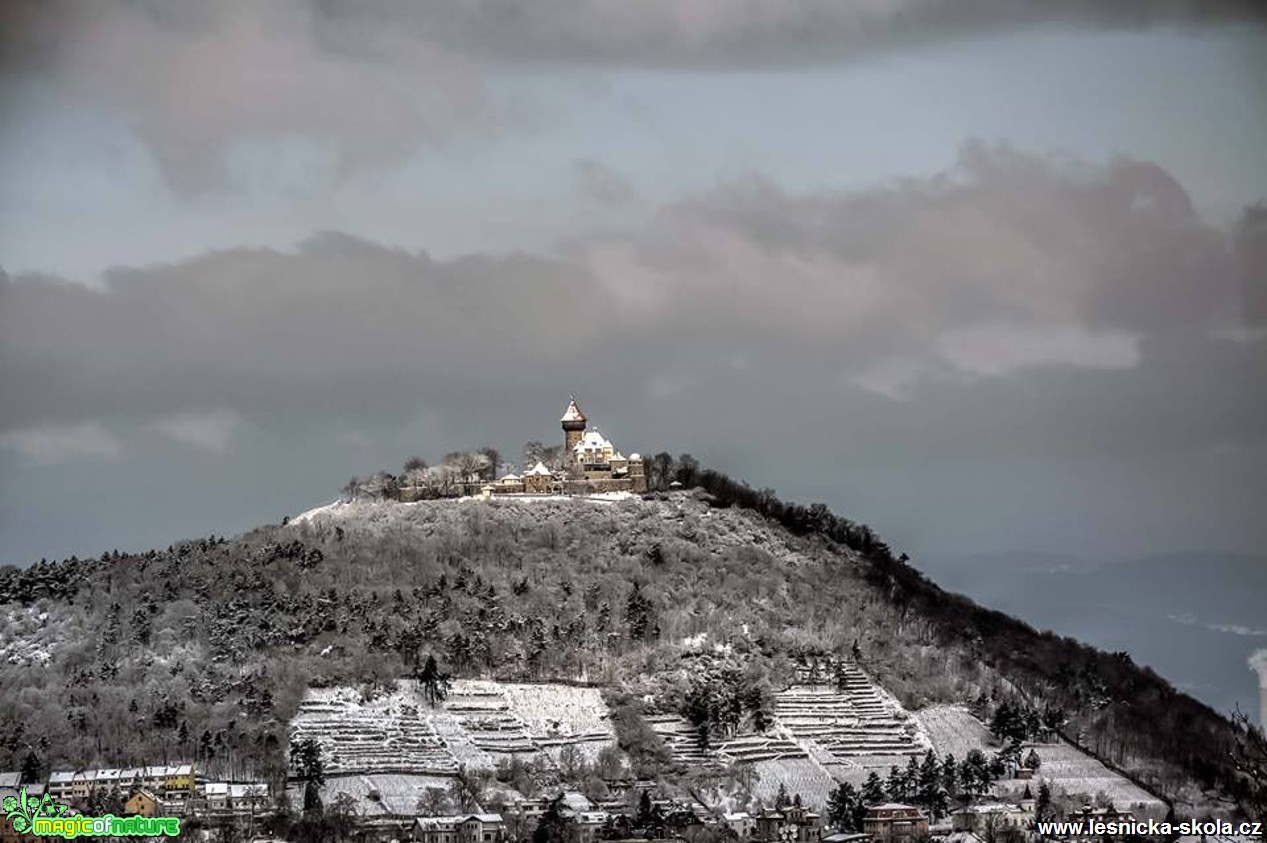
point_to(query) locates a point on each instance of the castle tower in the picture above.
(637, 474)
(574, 422)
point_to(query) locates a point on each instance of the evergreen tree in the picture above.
(873, 792)
(1010, 755)
(950, 775)
(1042, 806)
(638, 613)
(1002, 722)
(897, 785)
(649, 817)
(974, 774)
(846, 808)
(141, 629)
(553, 827)
(644, 809)
(781, 799)
(308, 767)
(31, 767)
(103, 801)
(928, 789)
(435, 684)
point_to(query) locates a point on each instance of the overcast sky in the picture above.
(985, 275)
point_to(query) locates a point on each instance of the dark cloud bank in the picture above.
(379, 78)
(1021, 351)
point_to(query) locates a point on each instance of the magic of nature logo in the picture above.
(45, 817)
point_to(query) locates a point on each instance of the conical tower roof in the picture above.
(573, 413)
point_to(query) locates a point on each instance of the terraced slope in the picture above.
(857, 721)
(856, 725)
(476, 725)
(1074, 773)
(363, 738)
(955, 731)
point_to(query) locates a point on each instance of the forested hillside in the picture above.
(202, 651)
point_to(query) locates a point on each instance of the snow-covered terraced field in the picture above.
(377, 794)
(799, 775)
(681, 739)
(856, 721)
(479, 722)
(820, 735)
(955, 731)
(393, 736)
(1071, 771)
(771, 746)
(559, 710)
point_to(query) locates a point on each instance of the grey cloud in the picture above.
(1004, 244)
(263, 327)
(955, 290)
(602, 184)
(210, 430)
(722, 33)
(57, 443)
(363, 84)
(194, 79)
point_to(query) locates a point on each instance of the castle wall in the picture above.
(599, 484)
(538, 484)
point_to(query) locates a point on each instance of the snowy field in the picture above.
(1070, 771)
(799, 775)
(1067, 769)
(377, 794)
(955, 731)
(340, 508)
(821, 735)
(599, 497)
(479, 723)
(558, 710)
(850, 724)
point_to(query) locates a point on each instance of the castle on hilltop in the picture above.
(589, 463)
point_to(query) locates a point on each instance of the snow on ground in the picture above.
(821, 735)
(955, 731)
(345, 509)
(852, 723)
(598, 497)
(1066, 768)
(479, 723)
(1069, 770)
(304, 517)
(799, 775)
(381, 794)
(393, 733)
(28, 636)
(856, 770)
(562, 710)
